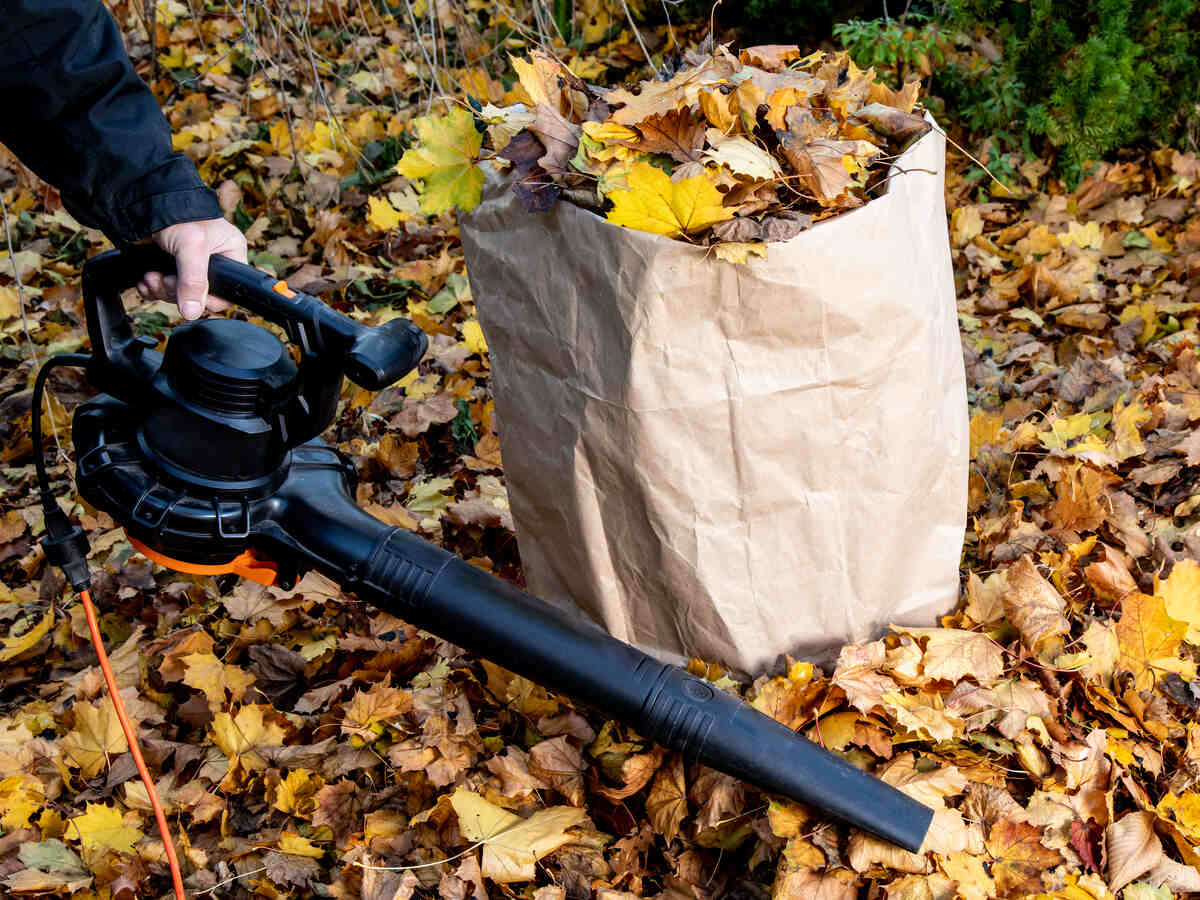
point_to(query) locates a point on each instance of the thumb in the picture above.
(191, 262)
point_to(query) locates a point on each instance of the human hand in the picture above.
(192, 243)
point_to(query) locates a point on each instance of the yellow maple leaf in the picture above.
(175, 58)
(984, 430)
(444, 159)
(656, 204)
(206, 673)
(103, 828)
(1127, 440)
(1147, 638)
(20, 797)
(380, 703)
(1181, 596)
(605, 143)
(320, 139)
(1149, 314)
(1184, 809)
(13, 647)
(240, 737)
(588, 68)
(10, 304)
(512, 845)
(427, 499)
(96, 737)
(1065, 432)
(1090, 887)
(974, 883)
(1082, 235)
(297, 793)
(222, 63)
(966, 224)
(290, 842)
(281, 138)
(472, 333)
(381, 215)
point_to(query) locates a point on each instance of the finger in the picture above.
(216, 304)
(231, 242)
(143, 289)
(154, 283)
(236, 252)
(191, 289)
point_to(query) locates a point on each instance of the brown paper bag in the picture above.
(732, 462)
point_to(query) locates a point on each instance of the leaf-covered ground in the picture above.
(308, 745)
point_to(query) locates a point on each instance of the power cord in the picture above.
(66, 546)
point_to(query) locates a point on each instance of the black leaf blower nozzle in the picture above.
(210, 451)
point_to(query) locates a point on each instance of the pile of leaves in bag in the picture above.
(729, 151)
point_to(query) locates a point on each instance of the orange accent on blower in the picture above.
(281, 287)
(248, 564)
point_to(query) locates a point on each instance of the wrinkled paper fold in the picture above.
(732, 462)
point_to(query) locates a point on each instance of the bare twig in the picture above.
(231, 880)
(641, 43)
(33, 350)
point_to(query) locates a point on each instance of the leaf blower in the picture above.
(209, 455)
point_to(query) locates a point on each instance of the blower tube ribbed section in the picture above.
(435, 590)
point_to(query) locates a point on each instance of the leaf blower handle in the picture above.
(371, 357)
(435, 590)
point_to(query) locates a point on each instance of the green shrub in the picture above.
(1085, 77)
(1094, 76)
(1072, 79)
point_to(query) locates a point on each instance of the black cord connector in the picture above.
(67, 546)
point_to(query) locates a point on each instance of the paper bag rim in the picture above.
(505, 181)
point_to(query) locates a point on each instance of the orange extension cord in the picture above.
(134, 748)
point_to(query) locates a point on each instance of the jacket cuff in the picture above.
(168, 195)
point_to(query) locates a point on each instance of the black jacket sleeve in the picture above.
(79, 116)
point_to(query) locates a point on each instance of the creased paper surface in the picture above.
(732, 462)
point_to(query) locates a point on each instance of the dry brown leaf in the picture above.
(771, 57)
(1034, 608)
(719, 798)
(928, 787)
(1020, 857)
(380, 704)
(952, 654)
(219, 682)
(667, 804)
(827, 169)
(559, 764)
(512, 767)
(1147, 638)
(661, 97)
(857, 674)
(920, 887)
(971, 879)
(865, 851)
(1110, 575)
(636, 770)
(1133, 848)
(904, 127)
(678, 133)
(807, 884)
